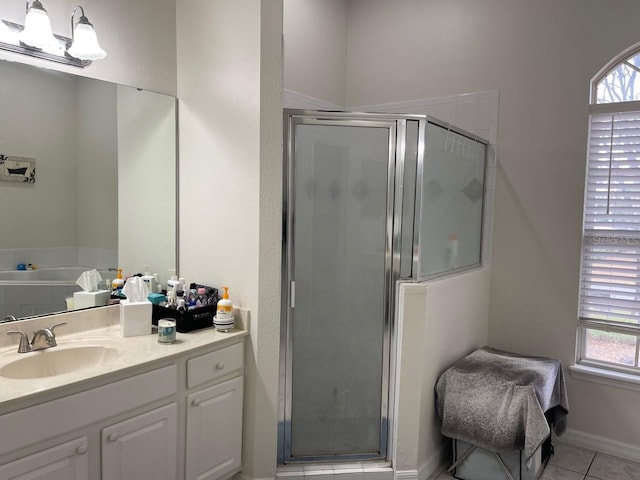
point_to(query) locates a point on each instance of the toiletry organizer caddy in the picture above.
(201, 317)
(195, 319)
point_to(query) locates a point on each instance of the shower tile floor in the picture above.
(576, 463)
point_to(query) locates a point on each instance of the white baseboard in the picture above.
(601, 444)
(439, 459)
(406, 475)
(243, 476)
(435, 463)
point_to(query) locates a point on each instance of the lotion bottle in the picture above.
(225, 307)
(149, 279)
(172, 283)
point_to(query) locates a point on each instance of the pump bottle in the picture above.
(225, 307)
(118, 282)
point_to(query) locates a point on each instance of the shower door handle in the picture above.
(292, 295)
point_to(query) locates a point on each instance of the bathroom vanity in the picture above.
(98, 406)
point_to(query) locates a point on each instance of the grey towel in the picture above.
(497, 400)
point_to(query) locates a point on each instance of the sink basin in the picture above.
(57, 361)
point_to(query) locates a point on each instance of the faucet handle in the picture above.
(52, 340)
(24, 346)
(56, 325)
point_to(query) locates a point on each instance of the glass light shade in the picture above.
(85, 43)
(6, 35)
(37, 29)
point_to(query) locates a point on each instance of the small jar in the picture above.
(166, 331)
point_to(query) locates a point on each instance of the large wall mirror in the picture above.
(87, 180)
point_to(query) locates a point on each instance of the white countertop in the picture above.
(131, 351)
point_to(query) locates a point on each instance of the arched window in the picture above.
(609, 308)
(620, 82)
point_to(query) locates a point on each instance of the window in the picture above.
(621, 83)
(609, 309)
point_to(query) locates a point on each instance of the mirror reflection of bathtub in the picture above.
(36, 292)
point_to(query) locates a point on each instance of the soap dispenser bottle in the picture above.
(224, 310)
(118, 282)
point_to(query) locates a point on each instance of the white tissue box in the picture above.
(98, 298)
(135, 318)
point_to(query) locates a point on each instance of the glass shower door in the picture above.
(339, 262)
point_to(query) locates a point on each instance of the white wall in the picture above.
(315, 53)
(540, 56)
(139, 38)
(146, 193)
(439, 322)
(229, 85)
(264, 402)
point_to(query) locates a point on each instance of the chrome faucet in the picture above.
(9, 318)
(44, 338)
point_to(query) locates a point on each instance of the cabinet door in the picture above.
(214, 431)
(142, 447)
(68, 461)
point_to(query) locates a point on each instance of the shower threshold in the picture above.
(365, 470)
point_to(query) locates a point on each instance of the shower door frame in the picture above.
(396, 125)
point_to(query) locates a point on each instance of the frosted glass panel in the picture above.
(452, 197)
(339, 233)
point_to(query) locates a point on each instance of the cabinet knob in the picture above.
(82, 449)
(196, 402)
(219, 366)
(113, 437)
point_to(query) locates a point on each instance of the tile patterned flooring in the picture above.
(576, 463)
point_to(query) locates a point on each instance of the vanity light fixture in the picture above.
(84, 39)
(37, 27)
(36, 38)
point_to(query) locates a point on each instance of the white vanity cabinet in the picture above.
(214, 441)
(144, 446)
(175, 419)
(68, 461)
(214, 415)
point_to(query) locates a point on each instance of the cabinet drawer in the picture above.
(213, 365)
(88, 407)
(69, 461)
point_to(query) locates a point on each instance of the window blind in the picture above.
(610, 279)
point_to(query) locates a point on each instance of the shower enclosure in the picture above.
(364, 208)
